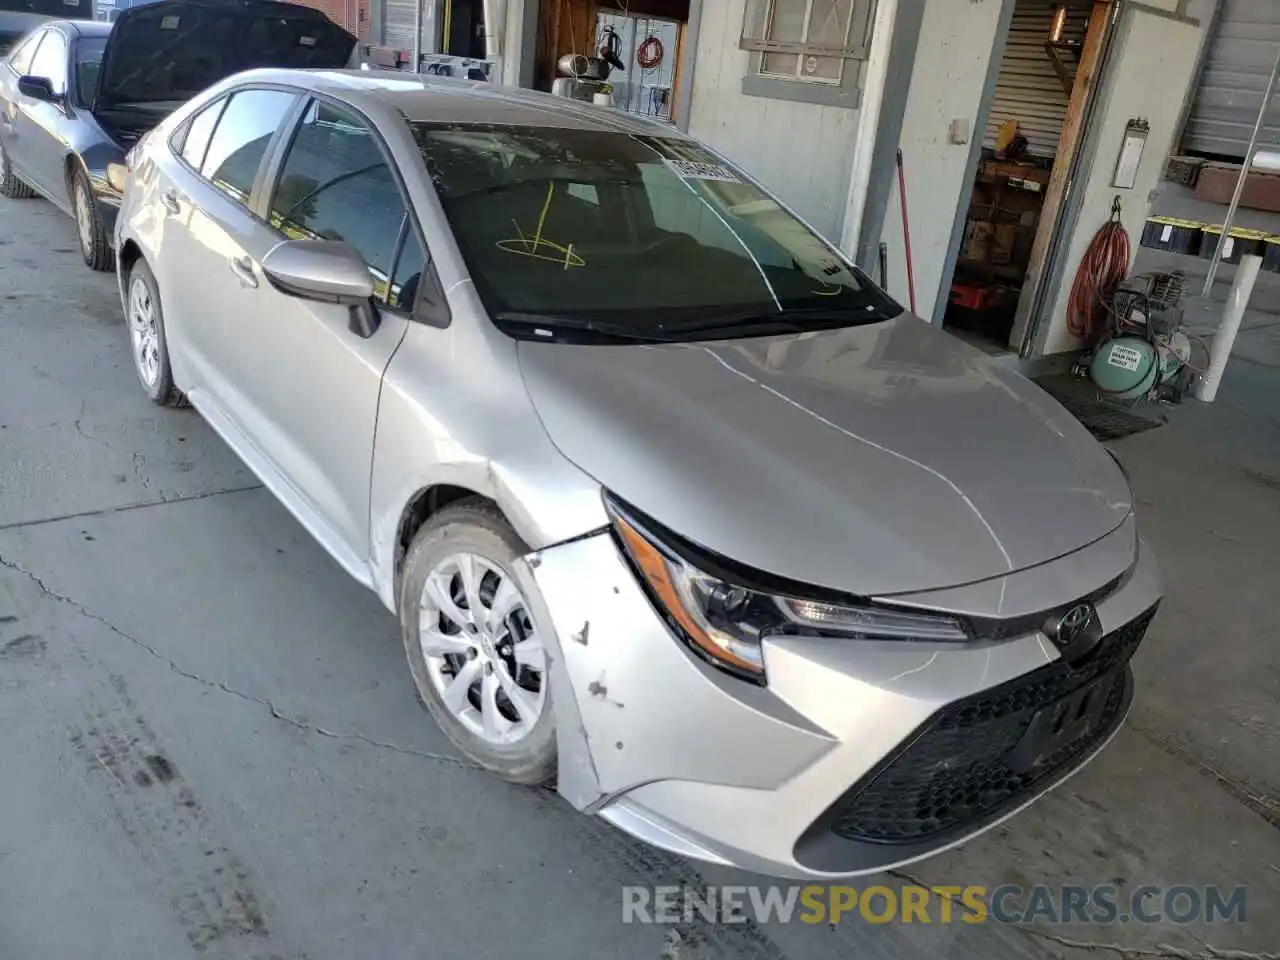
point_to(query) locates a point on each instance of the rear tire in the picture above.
(10, 185)
(147, 344)
(95, 245)
(476, 656)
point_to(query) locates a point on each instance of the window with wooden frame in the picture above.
(807, 49)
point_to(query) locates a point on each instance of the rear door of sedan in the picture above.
(17, 64)
(35, 136)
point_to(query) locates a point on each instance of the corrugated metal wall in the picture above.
(1028, 88)
(398, 23)
(1237, 63)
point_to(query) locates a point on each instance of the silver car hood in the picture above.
(881, 459)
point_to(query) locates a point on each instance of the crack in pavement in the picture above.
(1268, 808)
(78, 424)
(275, 711)
(124, 508)
(1161, 951)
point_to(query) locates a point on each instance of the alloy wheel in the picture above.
(4, 168)
(483, 655)
(144, 333)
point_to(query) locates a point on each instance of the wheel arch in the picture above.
(71, 164)
(421, 507)
(129, 254)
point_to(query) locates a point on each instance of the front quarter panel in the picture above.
(454, 411)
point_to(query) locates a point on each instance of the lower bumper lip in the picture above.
(677, 753)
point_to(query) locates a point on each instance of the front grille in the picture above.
(956, 771)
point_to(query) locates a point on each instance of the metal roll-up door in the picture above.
(1028, 88)
(398, 24)
(1237, 63)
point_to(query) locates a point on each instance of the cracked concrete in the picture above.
(152, 592)
(272, 709)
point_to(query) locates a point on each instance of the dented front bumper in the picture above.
(689, 758)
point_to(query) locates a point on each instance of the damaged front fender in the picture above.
(633, 706)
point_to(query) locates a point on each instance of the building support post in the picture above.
(864, 143)
(417, 34)
(1206, 387)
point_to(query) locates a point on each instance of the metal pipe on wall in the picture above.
(417, 34)
(1245, 168)
(495, 15)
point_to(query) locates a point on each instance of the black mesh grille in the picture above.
(957, 769)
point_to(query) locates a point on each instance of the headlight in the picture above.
(724, 618)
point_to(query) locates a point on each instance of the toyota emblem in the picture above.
(1076, 632)
(1073, 623)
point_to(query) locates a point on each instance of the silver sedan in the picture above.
(675, 507)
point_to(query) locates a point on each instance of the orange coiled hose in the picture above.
(1104, 267)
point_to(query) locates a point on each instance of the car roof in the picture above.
(430, 98)
(83, 28)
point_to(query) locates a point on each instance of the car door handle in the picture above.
(171, 202)
(242, 267)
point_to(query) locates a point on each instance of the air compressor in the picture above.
(1146, 353)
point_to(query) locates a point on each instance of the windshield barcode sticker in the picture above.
(307, 41)
(689, 170)
(169, 23)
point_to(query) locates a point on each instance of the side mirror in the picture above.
(327, 271)
(37, 88)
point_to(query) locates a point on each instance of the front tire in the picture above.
(10, 185)
(95, 246)
(148, 345)
(476, 656)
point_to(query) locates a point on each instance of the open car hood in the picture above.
(174, 49)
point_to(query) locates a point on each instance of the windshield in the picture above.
(88, 55)
(642, 235)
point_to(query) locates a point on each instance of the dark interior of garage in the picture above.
(1032, 128)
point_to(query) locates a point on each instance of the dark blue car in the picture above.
(76, 95)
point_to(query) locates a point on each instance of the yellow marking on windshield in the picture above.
(523, 246)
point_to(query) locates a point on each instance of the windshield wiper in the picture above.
(547, 325)
(798, 319)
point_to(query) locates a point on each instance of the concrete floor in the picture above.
(210, 746)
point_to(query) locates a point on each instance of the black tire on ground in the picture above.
(475, 526)
(95, 245)
(10, 185)
(162, 391)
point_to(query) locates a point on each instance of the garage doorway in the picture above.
(462, 28)
(1031, 138)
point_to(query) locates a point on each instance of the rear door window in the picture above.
(195, 140)
(241, 138)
